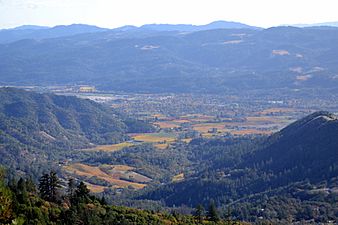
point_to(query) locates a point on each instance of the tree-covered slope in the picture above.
(35, 127)
(307, 149)
(32, 118)
(296, 168)
(22, 203)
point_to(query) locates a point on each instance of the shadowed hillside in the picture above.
(292, 171)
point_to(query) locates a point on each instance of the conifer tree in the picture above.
(48, 186)
(44, 186)
(212, 212)
(199, 212)
(22, 194)
(82, 193)
(54, 183)
(71, 187)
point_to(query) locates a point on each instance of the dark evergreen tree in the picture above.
(22, 194)
(71, 187)
(199, 212)
(54, 185)
(82, 193)
(49, 186)
(103, 201)
(228, 216)
(44, 186)
(212, 212)
(30, 185)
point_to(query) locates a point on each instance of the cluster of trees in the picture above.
(154, 163)
(212, 214)
(22, 203)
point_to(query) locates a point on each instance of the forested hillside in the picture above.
(284, 178)
(36, 128)
(22, 202)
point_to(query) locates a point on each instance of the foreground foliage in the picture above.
(21, 204)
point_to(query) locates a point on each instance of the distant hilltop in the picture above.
(326, 24)
(188, 27)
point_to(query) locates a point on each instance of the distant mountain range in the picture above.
(149, 60)
(39, 32)
(42, 32)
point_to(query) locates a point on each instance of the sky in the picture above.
(116, 13)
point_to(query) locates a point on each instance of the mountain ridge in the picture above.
(43, 32)
(149, 61)
(284, 168)
(313, 121)
(39, 32)
(309, 142)
(35, 126)
(194, 28)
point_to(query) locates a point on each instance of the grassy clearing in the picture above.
(201, 116)
(111, 148)
(208, 135)
(181, 121)
(161, 146)
(206, 127)
(178, 177)
(196, 118)
(115, 175)
(95, 188)
(258, 120)
(186, 140)
(123, 168)
(261, 119)
(167, 124)
(159, 116)
(155, 137)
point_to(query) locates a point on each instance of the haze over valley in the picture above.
(223, 123)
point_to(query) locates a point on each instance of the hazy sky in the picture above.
(115, 13)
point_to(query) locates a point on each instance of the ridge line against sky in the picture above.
(116, 13)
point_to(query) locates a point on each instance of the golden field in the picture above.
(167, 124)
(110, 148)
(178, 177)
(113, 174)
(154, 137)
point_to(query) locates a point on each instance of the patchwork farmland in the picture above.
(178, 119)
